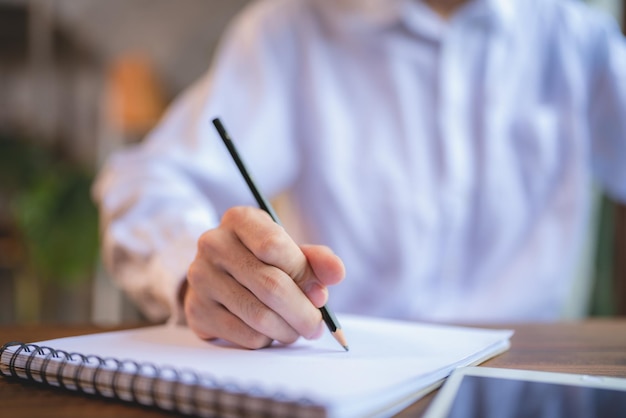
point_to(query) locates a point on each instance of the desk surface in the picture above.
(591, 347)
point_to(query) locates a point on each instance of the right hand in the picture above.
(250, 283)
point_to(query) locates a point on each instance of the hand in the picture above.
(250, 283)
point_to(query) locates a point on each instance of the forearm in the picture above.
(150, 225)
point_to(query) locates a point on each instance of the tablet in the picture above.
(507, 393)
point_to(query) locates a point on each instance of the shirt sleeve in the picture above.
(157, 198)
(607, 108)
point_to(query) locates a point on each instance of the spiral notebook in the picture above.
(390, 365)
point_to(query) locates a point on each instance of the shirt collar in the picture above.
(500, 12)
(383, 13)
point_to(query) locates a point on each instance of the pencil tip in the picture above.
(345, 347)
(341, 339)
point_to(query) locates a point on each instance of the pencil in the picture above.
(327, 315)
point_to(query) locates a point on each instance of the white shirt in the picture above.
(448, 163)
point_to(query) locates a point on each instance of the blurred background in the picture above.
(81, 78)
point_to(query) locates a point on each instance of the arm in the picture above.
(161, 205)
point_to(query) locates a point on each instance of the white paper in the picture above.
(388, 360)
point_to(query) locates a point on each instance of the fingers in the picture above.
(268, 241)
(222, 322)
(328, 269)
(307, 265)
(209, 319)
(251, 283)
(272, 266)
(218, 306)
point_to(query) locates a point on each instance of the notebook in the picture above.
(390, 365)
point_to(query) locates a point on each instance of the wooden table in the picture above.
(590, 347)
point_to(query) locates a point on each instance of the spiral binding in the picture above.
(184, 391)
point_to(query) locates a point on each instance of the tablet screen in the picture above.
(487, 397)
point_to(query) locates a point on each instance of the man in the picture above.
(438, 153)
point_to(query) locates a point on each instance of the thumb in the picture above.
(328, 270)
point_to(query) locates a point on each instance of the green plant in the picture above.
(49, 203)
